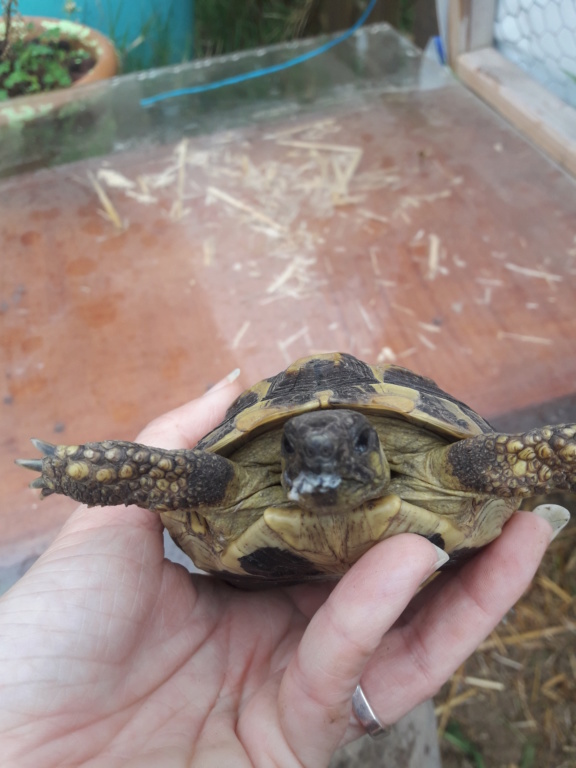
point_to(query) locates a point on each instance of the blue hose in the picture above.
(261, 72)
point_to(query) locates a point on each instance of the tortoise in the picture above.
(313, 466)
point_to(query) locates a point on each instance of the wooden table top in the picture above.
(420, 230)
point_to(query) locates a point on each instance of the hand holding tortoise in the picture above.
(112, 655)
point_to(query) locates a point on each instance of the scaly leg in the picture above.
(536, 462)
(116, 472)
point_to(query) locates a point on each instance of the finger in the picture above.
(447, 621)
(317, 687)
(184, 426)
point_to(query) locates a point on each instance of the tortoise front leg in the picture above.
(536, 462)
(116, 472)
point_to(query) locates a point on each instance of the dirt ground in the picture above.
(513, 704)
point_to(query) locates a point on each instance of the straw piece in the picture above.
(497, 642)
(551, 586)
(454, 684)
(109, 211)
(506, 661)
(455, 702)
(426, 341)
(114, 179)
(284, 344)
(317, 124)
(241, 206)
(491, 685)
(523, 338)
(527, 272)
(433, 256)
(177, 211)
(430, 327)
(366, 318)
(554, 681)
(240, 335)
(524, 637)
(315, 145)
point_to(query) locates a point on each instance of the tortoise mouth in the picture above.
(306, 483)
(316, 492)
(327, 493)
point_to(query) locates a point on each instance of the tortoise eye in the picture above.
(362, 442)
(287, 446)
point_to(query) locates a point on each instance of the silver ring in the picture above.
(365, 715)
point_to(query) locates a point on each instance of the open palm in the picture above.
(111, 655)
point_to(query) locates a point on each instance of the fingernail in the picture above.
(557, 516)
(226, 380)
(443, 557)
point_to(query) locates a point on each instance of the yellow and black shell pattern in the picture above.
(339, 380)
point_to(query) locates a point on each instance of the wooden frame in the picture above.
(544, 118)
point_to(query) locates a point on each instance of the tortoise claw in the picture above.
(34, 464)
(37, 465)
(38, 483)
(48, 449)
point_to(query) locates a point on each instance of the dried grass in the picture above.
(527, 715)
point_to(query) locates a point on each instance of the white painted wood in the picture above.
(483, 13)
(541, 116)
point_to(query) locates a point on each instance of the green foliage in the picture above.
(231, 25)
(528, 758)
(33, 64)
(454, 736)
(406, 16)
(223, 26)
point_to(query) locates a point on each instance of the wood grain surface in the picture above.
(420, 229)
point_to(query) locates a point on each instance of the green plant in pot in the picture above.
(45, 118)
(40, 55)
(33, 61)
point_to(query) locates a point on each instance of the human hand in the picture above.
(111, 655)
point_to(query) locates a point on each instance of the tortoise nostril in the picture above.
(320, 446)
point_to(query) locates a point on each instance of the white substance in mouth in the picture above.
(308, 482)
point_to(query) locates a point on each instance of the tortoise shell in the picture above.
(339, 380)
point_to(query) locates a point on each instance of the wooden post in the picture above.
(470, 26)
(538, 114)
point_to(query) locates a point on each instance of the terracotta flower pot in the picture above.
(25, 108)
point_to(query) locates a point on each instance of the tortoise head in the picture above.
(332, 461)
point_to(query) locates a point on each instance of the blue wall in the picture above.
(166, 25)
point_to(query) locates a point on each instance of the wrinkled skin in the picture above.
(112, 656)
